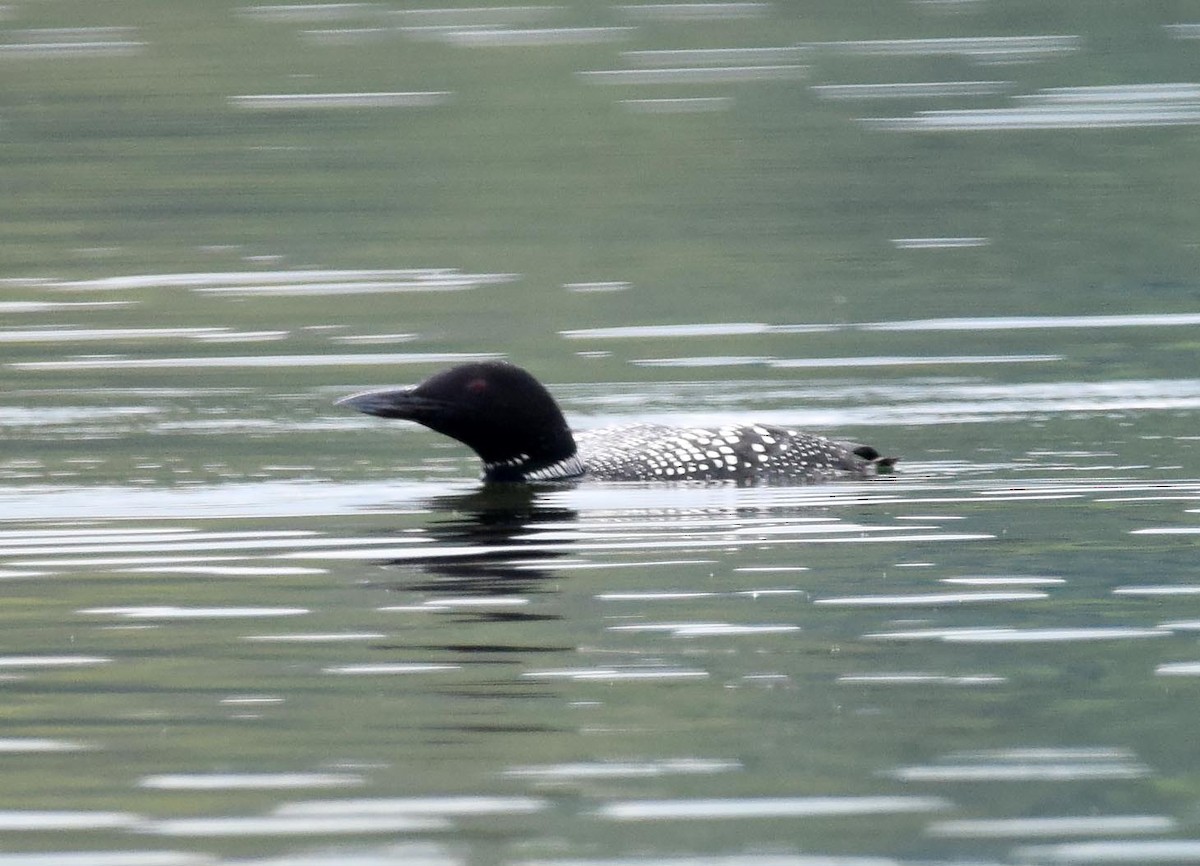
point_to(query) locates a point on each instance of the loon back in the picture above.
(511, 421)
(741, 452)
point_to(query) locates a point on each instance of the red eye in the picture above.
(477, 386)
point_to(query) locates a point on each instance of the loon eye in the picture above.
(477, 386)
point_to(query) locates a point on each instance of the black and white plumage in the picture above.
(510, 420)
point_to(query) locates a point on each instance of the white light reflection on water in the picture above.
(436, 806)
(614, 674)
(240, 280)
(1020, 772)
(469, 16)
(216, 544)
(1154, 591)
(248, 781)
(1038, 117)
(1178, 669)
(308, 12)
(1183, 31)
(1106, 107)
(437, 606)
(1052, 635)
(1181, 625)
(1000, 635)
(82, 335)
(981, 49)
(856, 361)
(486, 37)
(651, 595)
(1018, 323)
(713, 56)
(960, 323)
(107, 858)
(1070, 825)
(39, 416)
(929, 599)
(167, 612)
(71, 48)
(1113, 851)
(766, 807)
(53, 306)
(332, 637)
(385, 669)
(751, 569)
(363, 339)
(585, 566)
(19, 745)
(939, 243)
(307, 101)
(228, 570)
(20, 538)
(598, 286)
(1003, 580)
(921, 679)
(911, 90)
(34, 661)
(400, 283)
(232, 499)
(766, 528)
(274, 825)
(623, 769)
(1029, 764)
(697, 74)
(733, 860)
(108, 362)
(718, 329)
(705, 629)
(1122, 93)
(471, 602)
(31, 820)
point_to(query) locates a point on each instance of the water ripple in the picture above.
(766, 807)
(247, 781)
(1071, 825)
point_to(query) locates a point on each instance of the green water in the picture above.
(242, 625)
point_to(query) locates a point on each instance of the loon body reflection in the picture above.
(513, 423)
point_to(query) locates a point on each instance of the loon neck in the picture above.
(526, 468)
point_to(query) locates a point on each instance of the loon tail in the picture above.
(882, 465)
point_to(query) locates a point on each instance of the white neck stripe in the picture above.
(568, 467)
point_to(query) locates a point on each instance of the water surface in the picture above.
(362, 652)
(241, 625)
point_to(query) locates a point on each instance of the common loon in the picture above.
(510, 420)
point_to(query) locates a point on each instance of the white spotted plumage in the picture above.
(644, 452)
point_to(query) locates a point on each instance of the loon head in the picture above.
(500, 411)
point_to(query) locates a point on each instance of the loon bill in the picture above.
(509, 419)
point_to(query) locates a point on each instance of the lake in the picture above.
(242, 625)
